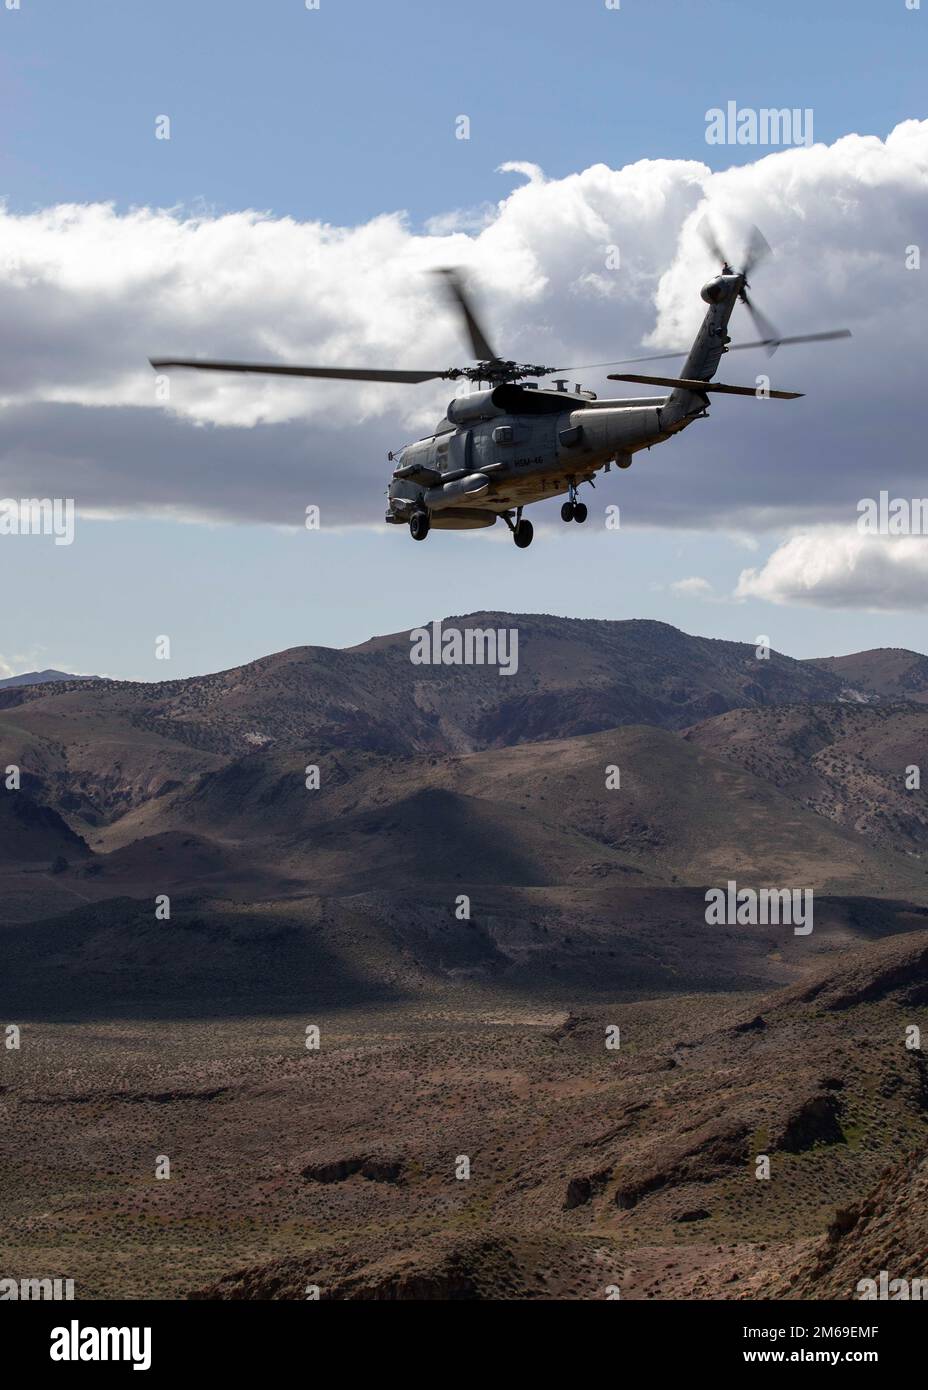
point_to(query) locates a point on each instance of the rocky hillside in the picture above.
(885, 673)
(861, 767)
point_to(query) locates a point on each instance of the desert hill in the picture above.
(884, 1232)
(39, 678)
(885, 673)
(850, 763)
(590, 1167)
(32, 834)
(635, 1168)
(528, 814)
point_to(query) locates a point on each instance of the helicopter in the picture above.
(510, 443)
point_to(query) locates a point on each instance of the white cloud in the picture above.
(461, 220)
(837, 567)
(694, 586)
(19, 662)
(86, 294)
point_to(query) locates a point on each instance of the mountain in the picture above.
(885, 673)
(573, 677)
(432, 776)
(39, 678)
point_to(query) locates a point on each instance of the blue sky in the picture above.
(346, 113)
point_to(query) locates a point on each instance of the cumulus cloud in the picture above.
(836, 567)
(87, 293)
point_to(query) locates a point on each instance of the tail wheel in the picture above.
(419, 525)
(580, 511)
(567, 511)
(523, 534)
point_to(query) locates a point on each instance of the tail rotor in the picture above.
(756, 251)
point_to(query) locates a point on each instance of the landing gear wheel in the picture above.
(580, 511)
(567, 511)
(523, 533)
(419, 525)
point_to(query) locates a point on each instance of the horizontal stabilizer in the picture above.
(690, 384)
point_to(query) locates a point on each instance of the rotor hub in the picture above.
(498, 372)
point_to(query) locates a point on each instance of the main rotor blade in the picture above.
(691, 384)
(278, 369)
(732, 347)
(459, 294)
(589, 366)
(795, 338)
(620, 362)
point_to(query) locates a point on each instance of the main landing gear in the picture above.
(419, 525)
(573, 510)
(522, 531)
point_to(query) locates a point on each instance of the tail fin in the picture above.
(704, 356)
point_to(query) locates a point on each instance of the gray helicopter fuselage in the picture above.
(513, 445)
